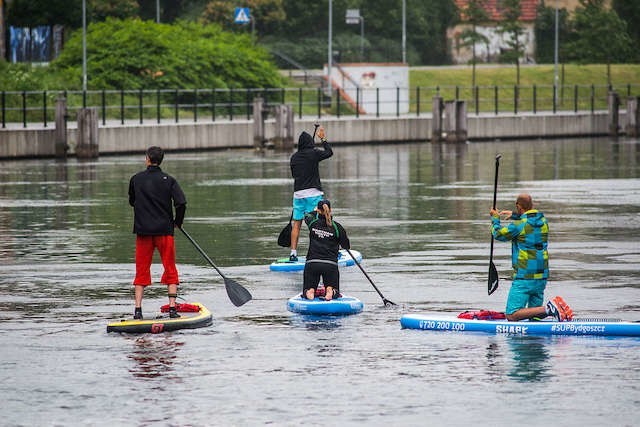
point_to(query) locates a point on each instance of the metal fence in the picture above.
(149, 106)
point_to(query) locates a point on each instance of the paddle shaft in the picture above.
(202, 252)
(495, 197)
(493, 273)
(386, 301)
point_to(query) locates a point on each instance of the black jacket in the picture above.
(325, 240)
(151, 193)
(304, 163)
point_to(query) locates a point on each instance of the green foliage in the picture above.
(427, 21)
(510, 25)
(32, 13)
(629, 11)
(19, 77)
(598, 35)
(267, 14)
(99, 10)
(135, 54)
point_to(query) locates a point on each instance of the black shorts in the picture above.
(314, 270)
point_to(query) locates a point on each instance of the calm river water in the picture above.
(419, 215)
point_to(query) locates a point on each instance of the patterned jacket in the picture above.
(528, 234)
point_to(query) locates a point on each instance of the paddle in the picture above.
(284, 238)
(384, 300)
(236, 292)
(493, 273)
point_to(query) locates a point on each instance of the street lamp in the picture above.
(555, 60)
(404, 31)
(353, 17)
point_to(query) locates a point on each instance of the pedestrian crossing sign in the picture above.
(241, 15)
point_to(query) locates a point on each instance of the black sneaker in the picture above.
(137, 314)
(293, 258)
(173, 313)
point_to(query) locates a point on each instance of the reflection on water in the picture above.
(530, 357)
(316, 323)
(154, 356)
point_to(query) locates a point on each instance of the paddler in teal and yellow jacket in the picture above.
(528, 233)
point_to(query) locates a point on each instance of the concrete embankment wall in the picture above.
(112, 139)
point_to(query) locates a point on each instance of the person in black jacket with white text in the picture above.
(151, 193)
(307, 189)
(326, 236)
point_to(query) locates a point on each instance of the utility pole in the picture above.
(84, 45)
(404, 31)
(330, 48)
(555, 58)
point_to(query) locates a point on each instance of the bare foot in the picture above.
(311, 293)
(328, 293)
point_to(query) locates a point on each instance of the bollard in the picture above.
(87, 147)
(613, 105)
(437, 107)
(61, 145)
(632, 125)
(461, 121)
(258, 123)
(449, 127)
(283, 139)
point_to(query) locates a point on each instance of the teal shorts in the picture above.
(525, 293)
(305, 205)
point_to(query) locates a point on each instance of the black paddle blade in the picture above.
(238, 294)
(387, 302)
(493, 278)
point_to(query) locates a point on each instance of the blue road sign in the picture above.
(241, 15)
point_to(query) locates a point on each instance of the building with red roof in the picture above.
(496, 41)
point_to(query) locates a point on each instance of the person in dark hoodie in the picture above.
(307, 189)
(326, 236)
(151, 193)
(528, 233)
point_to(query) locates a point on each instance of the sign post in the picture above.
(242, 15)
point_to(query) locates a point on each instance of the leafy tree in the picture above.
(99, 10)
(427, 21)
(31, 13)
(135, 54)
(171, 10)
(545, 32)
(474, 14)
(510, 25)
(629, 11)
(268, 14)
(598, 36)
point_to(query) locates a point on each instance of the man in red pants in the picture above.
(151, 193)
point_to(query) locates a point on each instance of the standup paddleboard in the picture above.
(342, 306)
(599, 327)
(192, 315)
(344, 260)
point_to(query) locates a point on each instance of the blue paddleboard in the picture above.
(342, 306)
(600, 327)
(344, 260)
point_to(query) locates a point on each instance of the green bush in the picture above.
(135, 54)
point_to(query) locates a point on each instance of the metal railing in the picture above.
(21, 108)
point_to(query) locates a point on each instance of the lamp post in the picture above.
(157, 11)
(84, 45)
(329, 48)
(555, 59)
(353, 17)
(404, 31)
